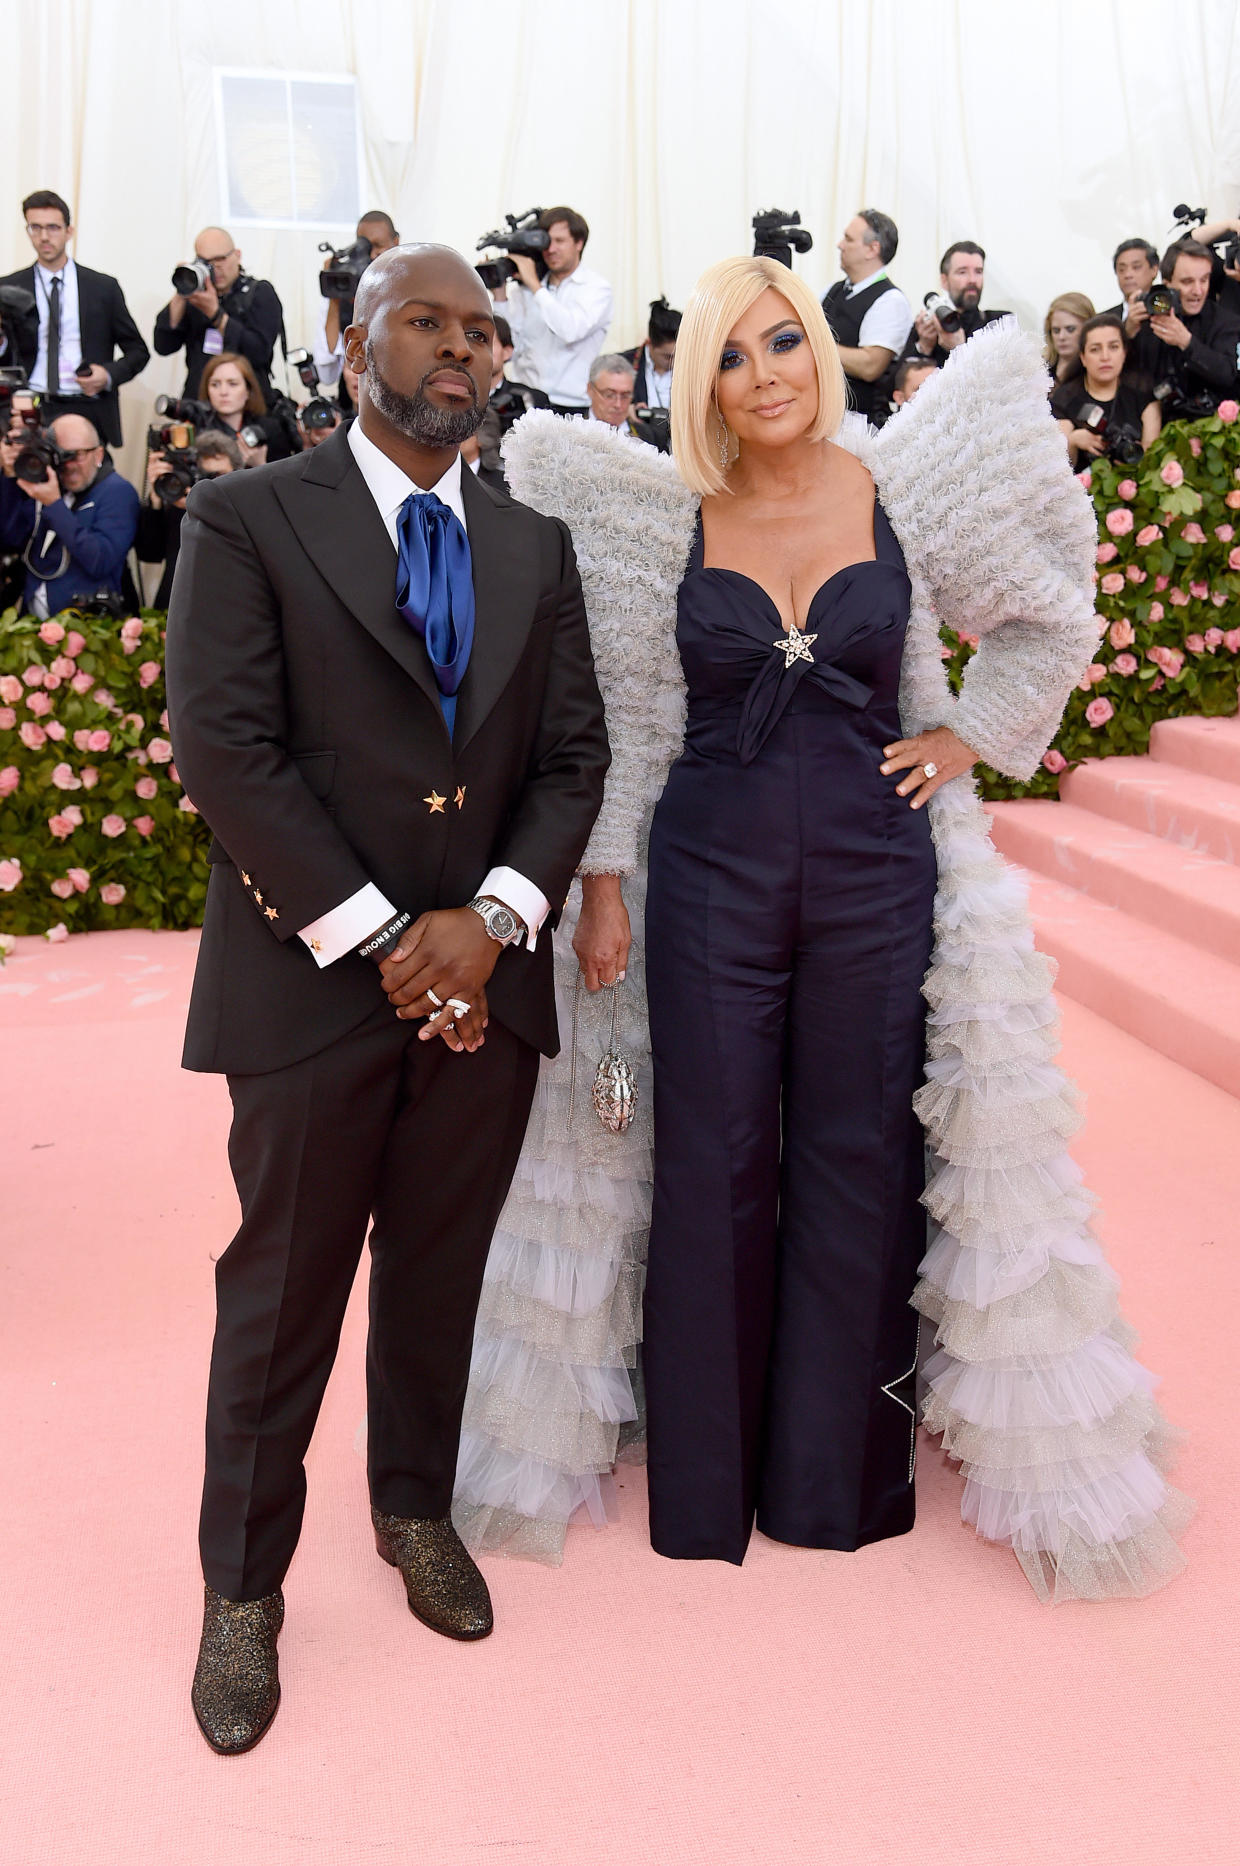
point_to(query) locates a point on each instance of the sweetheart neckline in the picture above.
(722, 570)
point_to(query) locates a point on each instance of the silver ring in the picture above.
(931, 770)
(459, 1006)
(451, 1027)
(437, 1002)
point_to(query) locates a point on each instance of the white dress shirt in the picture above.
(343, 928)
(888, 320)
(329, 363)
(557, 332)
(70, 330)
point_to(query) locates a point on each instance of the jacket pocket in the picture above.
(318, 769)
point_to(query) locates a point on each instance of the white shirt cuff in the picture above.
(506, 885)
(344, 928)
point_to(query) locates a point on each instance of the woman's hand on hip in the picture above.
(931, 760)
(603, 936)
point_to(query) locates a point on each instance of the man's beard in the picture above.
(425, 425)
(968, 298)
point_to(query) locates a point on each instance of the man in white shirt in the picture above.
(558, 320)
(869, 315)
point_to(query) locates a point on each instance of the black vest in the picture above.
(844, 314)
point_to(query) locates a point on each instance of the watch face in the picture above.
(501, 924)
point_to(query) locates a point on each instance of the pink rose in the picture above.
(1157, 612)
(1172, 473)
(90, 777)
(81, 738)
(1160, 583)
(56, 934)
(8, 719)
(100, 741)
(1214, 638)
(1199, 590)
(1135, 575)
(1095, 672)
(1098, 712)
(1125, 664)
(1228, 410)
(146, 788)
(80, 877)
(1148, 534)
(103, 697)
(945, 653)
(149, 673)
(1196, 644)
(11, 689)
(1179, 599)
(1106, 551)
(144, 824)
(51, 681)
(1156, 683)
(10, 876)
(50, 633)
(73, 815)
(32, 735)
(39, 704)
(163, 720)
(10, 778)
(1194, 446)
(174, 774)
(1224, 533)
(1170, 660)
(64, 779)
(61, 825)
(112, 824)
(1231, 640)
(183, 803)
(1085, 479)
(160, 751)
(1112, 583)
(35, 675)
(63, 667)
(74, 643)
(1192, 533)
(54, 729)
(1127, 489)
(131, 633)
(82, 682)
(1054, 761)
(1218, 598)
(1119, 521)
(62, 889)
(1232, 501)
(111, 894)
(133, 722)
(1233, 559)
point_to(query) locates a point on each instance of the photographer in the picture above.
(1225, 234)
(216, 308)
(868, 314)
(233, 401)
(953, 313)
(376, 231)
(1135, 263)
(653, 360)
(73, 521)
(1099, 410)
(1187, 345)
(558, 321)
(158, 538)
(84, 344)
(323, 419)
(610, 389)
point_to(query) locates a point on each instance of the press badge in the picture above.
(213, 342)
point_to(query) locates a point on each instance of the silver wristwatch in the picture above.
(500, 921)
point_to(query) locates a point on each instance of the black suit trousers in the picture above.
(377, 1126)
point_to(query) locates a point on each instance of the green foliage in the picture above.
(1168, 601)
(91, 806)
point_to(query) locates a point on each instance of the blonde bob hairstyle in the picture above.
(703, 445)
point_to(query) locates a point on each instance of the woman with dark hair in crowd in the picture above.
(653, 359)
(1061, 331)
(1128, 411)
(230, 389)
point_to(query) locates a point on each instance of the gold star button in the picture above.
(460, 797)
(436, 802)
(795, 647)
(258, 897)
(272, 914)
(245, 878)
(316, 945)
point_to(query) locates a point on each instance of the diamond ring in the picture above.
(930, 770)
(459, 1006)
(437, 1002)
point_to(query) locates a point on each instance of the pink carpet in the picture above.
(912, 1705)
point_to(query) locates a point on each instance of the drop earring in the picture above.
(725, 445)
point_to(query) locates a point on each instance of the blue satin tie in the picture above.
(435, 590)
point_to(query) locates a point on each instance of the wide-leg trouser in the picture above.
(788, 934)
(425, 1142)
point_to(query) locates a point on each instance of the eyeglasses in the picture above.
(78, 453)
(617, 397)
(216, 259)
(35, 227)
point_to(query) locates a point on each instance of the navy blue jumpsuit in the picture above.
(788, 931)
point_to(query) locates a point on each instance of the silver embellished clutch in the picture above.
(614, 1089)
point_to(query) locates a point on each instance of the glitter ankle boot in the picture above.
(445, 1590)
(237, 1683)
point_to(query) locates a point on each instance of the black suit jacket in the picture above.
(109, 337)
(307, 729)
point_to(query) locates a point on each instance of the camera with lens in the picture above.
(175, 442)
(12, 381)
(1120, 442)
(341, 275)
(37, 455)
(1162, 301)
(659, 421)
(1194, 406)
(193, 276)
(180, 408)
(520, 233)
(949, 315)
(777, 235)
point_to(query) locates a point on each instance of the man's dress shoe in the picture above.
(445, 1590)
(237, 1684)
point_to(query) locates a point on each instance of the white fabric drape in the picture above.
(1044, 129)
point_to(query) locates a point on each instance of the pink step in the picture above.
(1169, 801)
(1167, 992)
(1211, 746)
(1180, 891)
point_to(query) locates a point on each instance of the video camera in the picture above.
(659, 421)
(520, 234)
(1120, 442)
(318, 411)
(175, 442)
(777, 235)
(342, 274)
(1185, 218)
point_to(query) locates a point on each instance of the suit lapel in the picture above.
(505, 595)
(338, 525)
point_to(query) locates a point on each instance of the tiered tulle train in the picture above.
(1034, 1387)
(551, 1390)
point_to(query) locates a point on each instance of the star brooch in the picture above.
(795, 647)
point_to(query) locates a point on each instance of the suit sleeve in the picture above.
(551, 824)
(127, 338)
(1215, 361)
(169, 337)
(18, 512)
(99, 537)
(229, 720)
(255, 334)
